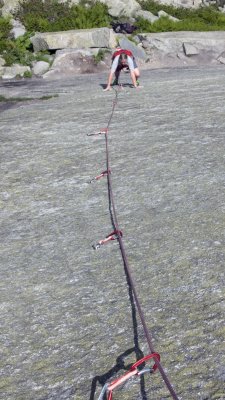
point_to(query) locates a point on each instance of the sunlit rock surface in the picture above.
(67, 324)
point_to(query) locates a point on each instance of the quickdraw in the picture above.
(102, 131)
(96, 178)
(112, 236)
(108, 388)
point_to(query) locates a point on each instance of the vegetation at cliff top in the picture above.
(51, 15)
(200, 19)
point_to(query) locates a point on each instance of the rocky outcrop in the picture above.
(9, 6)
(2, 61)
(165, 14)
(183, 3)
(173, 49)
(137, 51)
(118, 8)
(14, 71)
(206, 44)
(151, 50)
(18, 29)
(75, 39)
(70, 62)
(40, 67)
(147, 15)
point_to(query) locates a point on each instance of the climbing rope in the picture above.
(117, 234)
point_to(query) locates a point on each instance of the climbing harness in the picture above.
(117, 234)
(108, 388)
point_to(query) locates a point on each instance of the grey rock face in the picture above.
(118, 8)
(147, 15)
(221, 58)
(77, 39)
(13, 71)
(67, 318)
(40, 67)
(137, 51)
(18, 29)
(166, 49)
(182, 3)
(74, 62)
(9, 6)
(162, 13)
(2, 61)
(190, 50)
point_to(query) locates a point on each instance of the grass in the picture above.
(4, 99)
(51, 16)
(200, 19)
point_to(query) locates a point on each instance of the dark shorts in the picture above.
(120, 67)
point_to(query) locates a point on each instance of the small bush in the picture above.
(51, 16)
(18, 51)
(99, 56)
(27, 74)
(5, 27)
(201, 19)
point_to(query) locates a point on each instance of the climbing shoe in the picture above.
(138, 83)
(115, 82)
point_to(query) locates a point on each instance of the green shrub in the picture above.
(51, 16)
(18, 51)
(27, 74)
(201, 19)
(5, 27)
(178, 12)
(43, 56)
(100, 56)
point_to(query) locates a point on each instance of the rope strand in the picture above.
(125, 260)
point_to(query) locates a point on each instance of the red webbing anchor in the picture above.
(112, 236)
(102, 131)
(132, 371)
(104, 173)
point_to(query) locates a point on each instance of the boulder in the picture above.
(71, 1)
(173, 42)
(183, 3)
(9, 6)
(74, 62)
(2, 61)
(221, 58)
(137, 51)
(18, 29)
(119, 8)
(177, 49)
(162, 13)
(147, 15)
(2, 70)
(76, 39)
(190, 50)
(40, 68)
(14, 71)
